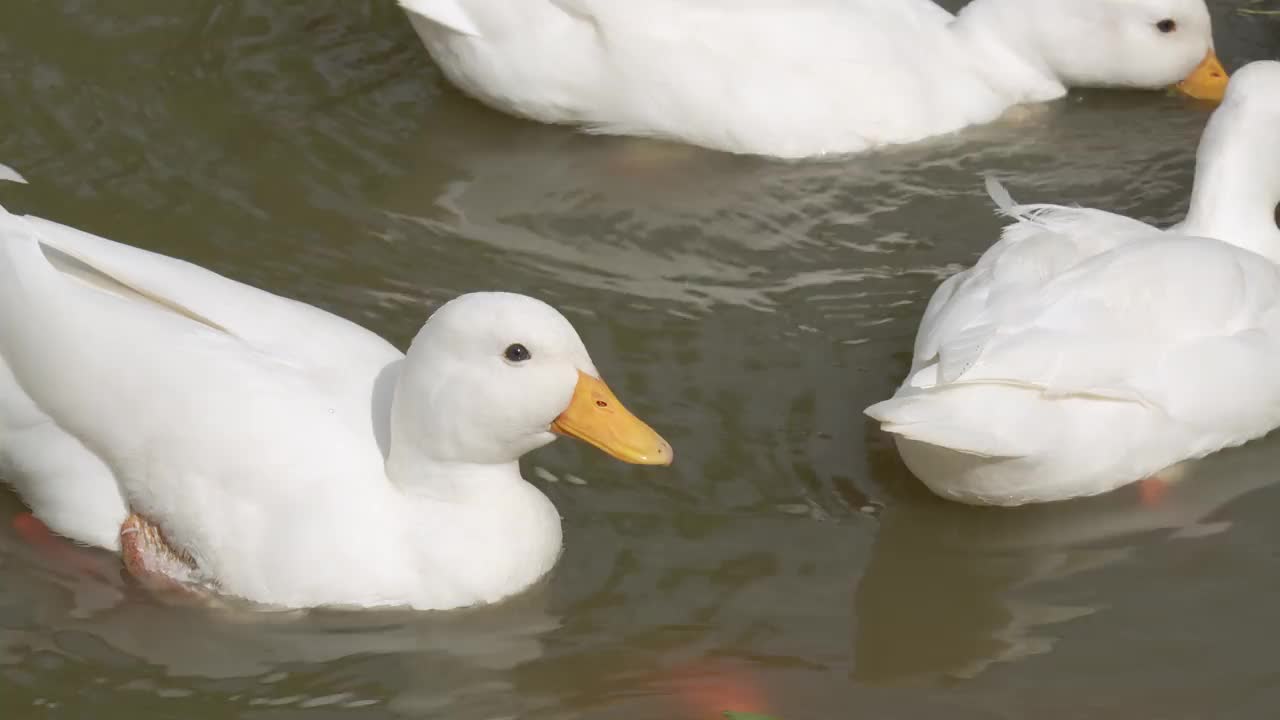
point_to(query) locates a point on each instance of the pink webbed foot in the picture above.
(61, 551)
(154, 563)
(1152, 490)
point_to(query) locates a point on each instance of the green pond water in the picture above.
(787, 563)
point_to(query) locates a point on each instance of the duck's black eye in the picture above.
(1167, 25)
(516, 353)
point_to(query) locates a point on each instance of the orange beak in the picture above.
(1207, 82)
(596, 417)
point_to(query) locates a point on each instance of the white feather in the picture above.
(1086, 350)
(797, 78)
(300, 459)
(449, 14)
(8, 173)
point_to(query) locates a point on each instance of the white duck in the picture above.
(288, 456)
(1086, 350)
(802, 78)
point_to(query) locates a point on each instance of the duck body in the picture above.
(282, 451)
(784, 78)
(1086, 350)
(260, 434)
(1110, 371)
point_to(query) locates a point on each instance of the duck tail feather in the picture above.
(448, 14)
(8, 173)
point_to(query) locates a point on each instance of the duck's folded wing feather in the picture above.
(186, 414)
(292, 331)
(913, 9)
(1044, 242)
(449, 14)
(1165, 295)
(1188, 327)
(792, 33)
(864, 47)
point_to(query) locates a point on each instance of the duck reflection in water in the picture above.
(951, 590)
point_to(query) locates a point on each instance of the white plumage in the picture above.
(1086, 350)
(298, 458)
(798, 78)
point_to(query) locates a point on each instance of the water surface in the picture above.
(749, 309)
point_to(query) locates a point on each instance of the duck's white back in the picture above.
(204, 398)
(781, 78)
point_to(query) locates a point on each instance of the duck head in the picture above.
(1146, 44)
(492, 376)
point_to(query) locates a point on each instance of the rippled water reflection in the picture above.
(751, 309)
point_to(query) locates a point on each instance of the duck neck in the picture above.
(486, 507)
(415, 474)
(456, 503)
(481, 530)
(1236, 189)
(1010, 59)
